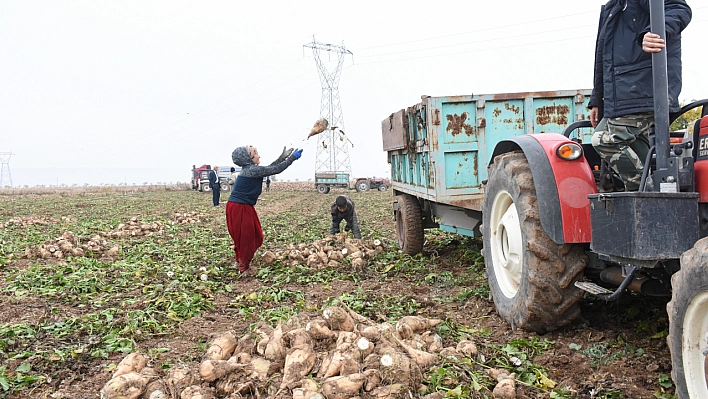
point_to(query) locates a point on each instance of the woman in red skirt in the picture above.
(241, 217)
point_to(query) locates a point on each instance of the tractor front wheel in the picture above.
(409, 225)
(531, 278)
(688, 323)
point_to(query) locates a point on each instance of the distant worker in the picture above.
(622, 100)
(343, 209)
(232, 177)
(267, 183)
(215, 185)
(241, 217)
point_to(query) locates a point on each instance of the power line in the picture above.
(145, 149)
(479, 30)
(480, 41)
(169, 135)
(475, 51)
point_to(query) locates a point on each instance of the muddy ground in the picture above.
(615, 350)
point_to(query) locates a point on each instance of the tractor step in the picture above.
(592, 288)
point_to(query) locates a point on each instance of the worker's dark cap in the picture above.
(341, 201)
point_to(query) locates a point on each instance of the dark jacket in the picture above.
(249, 183)
(623, 82)
(349, 215)
(214, 181)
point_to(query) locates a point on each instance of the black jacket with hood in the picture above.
(623, 82)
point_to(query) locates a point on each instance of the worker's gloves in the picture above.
(286, 153)
(297, 153)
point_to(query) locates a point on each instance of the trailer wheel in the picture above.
(205, 188)
(383, 188)
(688, 323)
(409, 225)
(322, 189)
(531, 278)
(362, 186)
(225, 187)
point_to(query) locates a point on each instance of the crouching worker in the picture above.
(241, 217)
(343, 209)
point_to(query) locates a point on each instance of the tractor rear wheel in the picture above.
(362, 186)
(688, 323)
(409, 225)
(531, 278)
(225, 187)
(205, 188)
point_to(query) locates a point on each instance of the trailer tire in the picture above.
(688, 323)
(322, 189)
(362, 186)
(225, 187)
(531, 278)
(205, 188)
(409, 225)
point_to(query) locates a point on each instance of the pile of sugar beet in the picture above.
(340, 355)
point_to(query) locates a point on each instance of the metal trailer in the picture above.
(439, 150)
(326, 180)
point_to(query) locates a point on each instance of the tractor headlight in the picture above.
(569, 151)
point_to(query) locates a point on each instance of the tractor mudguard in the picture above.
(562, 187)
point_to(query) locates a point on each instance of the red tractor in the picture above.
(364, 184)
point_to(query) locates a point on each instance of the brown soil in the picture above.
(633, 323)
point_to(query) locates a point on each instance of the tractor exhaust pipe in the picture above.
(644, 285)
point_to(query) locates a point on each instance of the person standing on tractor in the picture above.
(622, 100)
(215, 185)
(343, 209)
(241, 218)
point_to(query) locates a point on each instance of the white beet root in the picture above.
(126, 386)
(318, 329)
(134, 362)
(419, 324)
(338, 319)
(211, 370)
(298, 363)
(197, 392)
(343, 387)
(222, 347)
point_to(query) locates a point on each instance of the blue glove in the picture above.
(297, 153)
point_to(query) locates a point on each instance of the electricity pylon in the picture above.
(332, 146)
(5, 176)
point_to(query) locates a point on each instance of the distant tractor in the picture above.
(200, 177)
(364, 184)
(326, 181)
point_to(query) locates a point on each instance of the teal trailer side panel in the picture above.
(439, 149)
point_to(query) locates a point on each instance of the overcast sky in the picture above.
(134, 91)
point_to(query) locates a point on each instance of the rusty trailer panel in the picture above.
(393, 131)
(439, 149)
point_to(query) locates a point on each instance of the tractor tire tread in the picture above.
(685, 284)
(552, 298)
